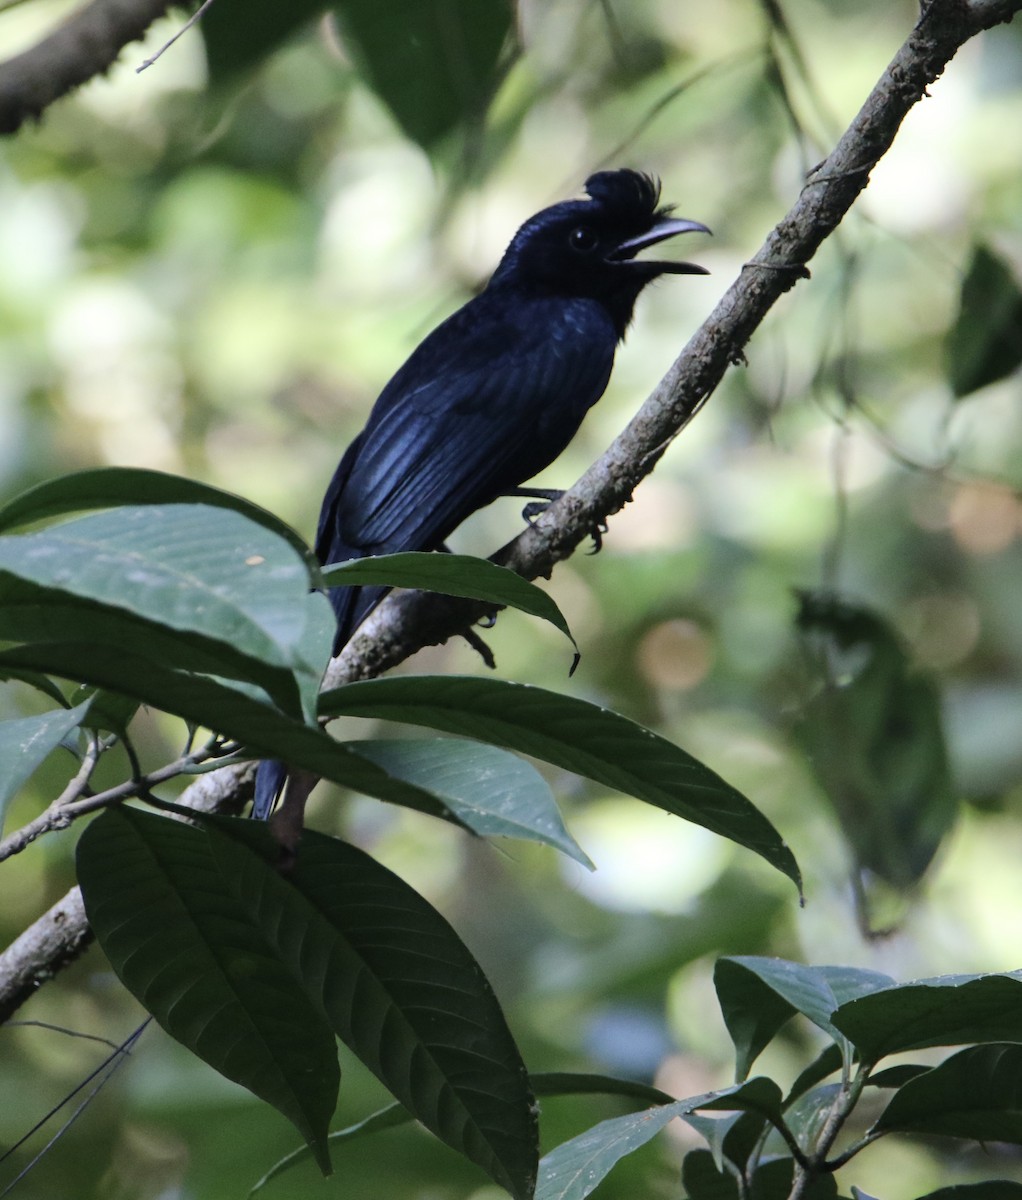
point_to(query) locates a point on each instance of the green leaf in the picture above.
(202, 588)
(976, 1093)
(897, 1076)
(948, 1011)
(773, 1180)
(190, 949)
(755, 1101)
(732, 1138)
(874, 737)
(575, 735)
(397, 985)
(829, 1061)
(432, 62)
(758, 995)
(36, 680)
(703, 1179)
(573, 1083)
(760, 1095)
(227, 709)
(113, 487)
(809, 1114)
(109, 712)
(985, 342)
(240, 34)
(576, 1168)
(385, 1118)
(452, 575)
(490, 792)
(25, 742)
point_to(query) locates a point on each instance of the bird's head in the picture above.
(588, 247)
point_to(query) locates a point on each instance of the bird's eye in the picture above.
(583, 239)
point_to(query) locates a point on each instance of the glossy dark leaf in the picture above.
(25, 742)
(489, 791)
(453, 575)
(758, 995)
(432, 62)
(985, 342)
(398, 986)
(948, 1011)
(976, 1093)
(874, 737)
(732, 1137)
(575, 735)
(195, 955)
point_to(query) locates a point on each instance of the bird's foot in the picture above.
(546, 497)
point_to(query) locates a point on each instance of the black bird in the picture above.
(495, 392)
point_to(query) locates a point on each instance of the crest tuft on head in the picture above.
(632, 194)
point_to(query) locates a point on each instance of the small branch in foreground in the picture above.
(72, 804)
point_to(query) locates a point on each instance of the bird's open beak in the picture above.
(666, 227)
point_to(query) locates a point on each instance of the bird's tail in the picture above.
(271, 776)
(352, 605)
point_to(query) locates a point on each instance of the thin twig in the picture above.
(71, 804)
(192, 20)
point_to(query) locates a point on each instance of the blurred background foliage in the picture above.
(213, 266)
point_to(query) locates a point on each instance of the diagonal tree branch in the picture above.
(85, 45)
(405, 622)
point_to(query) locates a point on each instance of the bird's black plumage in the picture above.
(495, 392)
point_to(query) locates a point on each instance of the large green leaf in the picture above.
(453, 575)
(948, 1011)
(398, 986)
(26, 741)
(985, 342)
(226, 707)
(491, 792)
(976, 1093)
(193, 952)
(758, 995)
(432, 62)
(575, 735)
(203, 588)
(112, 487)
